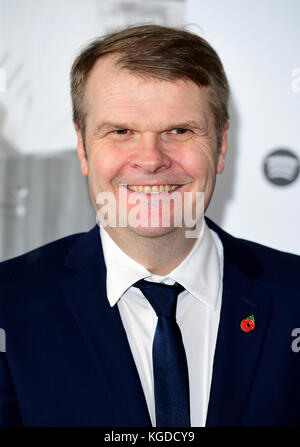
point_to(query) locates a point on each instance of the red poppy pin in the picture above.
(248, 324)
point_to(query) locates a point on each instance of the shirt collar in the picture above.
(199, 273)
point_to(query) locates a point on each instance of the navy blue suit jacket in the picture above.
(68, 361)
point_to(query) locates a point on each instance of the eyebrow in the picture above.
(109, 125)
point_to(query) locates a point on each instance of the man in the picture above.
(89, 341)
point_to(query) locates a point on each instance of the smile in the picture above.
(156, 189)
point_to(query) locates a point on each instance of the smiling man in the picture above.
(142, 324)
(155, 137)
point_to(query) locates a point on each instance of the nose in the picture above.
(150, 155)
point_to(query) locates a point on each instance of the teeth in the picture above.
(156, 189)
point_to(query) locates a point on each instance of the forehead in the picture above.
(114, 91)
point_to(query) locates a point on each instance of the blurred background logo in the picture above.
(281, 167)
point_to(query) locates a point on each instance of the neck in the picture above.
(158, 254)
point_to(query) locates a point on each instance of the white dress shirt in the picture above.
(197, 314)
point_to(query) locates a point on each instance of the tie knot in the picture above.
(162, 297)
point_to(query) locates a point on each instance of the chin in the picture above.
(151, 231)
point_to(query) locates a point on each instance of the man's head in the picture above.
(156, 52)
(150, 108)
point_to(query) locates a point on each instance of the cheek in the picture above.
(104, 165)
(196, 163)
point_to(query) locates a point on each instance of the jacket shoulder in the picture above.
(258, 260)
(272, 255)
(47, 258)
(280, 269)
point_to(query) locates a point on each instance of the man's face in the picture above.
(148, 132)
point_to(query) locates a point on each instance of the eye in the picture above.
(120, 131)
(179, 131)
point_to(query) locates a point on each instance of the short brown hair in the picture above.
(159, 52)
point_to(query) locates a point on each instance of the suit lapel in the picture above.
(103, 332)
(237, 352)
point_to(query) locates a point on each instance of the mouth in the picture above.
(153, 189)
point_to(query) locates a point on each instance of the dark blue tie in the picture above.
(170, 370)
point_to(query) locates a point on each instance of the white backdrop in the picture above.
(41, 40)
(258, 42)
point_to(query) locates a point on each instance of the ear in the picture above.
(222, 150)
(81, 152)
